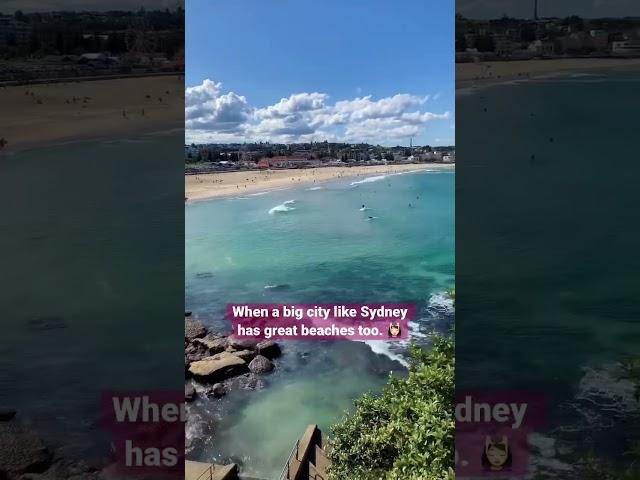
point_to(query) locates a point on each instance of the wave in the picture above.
(385, 348)
(440, 305)
(277, 286)
(364, 209)
(314, 188)
(283, 207)
(369, 180)
(257, 194)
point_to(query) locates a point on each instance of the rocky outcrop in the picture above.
(217, 390)
(21, 451)
(189, 393)
(218, 367)
(241, 343)
(269, 349)
(212, 344)
(246, 355)
(260, 364)
(227, 362)
(193, 329)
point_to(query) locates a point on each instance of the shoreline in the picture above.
(472, 75)
(53, 114)
(210, 186)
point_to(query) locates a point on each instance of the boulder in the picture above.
(218, 367)
(211, 344)
(246, 355)
(269, 349)
(217, 390)
(241, 343)
(21, 451)
(251, 382)
(193, 329)
(261, 364)
(189, 392)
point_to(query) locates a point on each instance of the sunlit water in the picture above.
(318, 247)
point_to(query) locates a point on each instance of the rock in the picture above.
(187, 314)
(217, 390)
(269, 349)
(195, 351)
(7, 414)
(189, 393)
(241, 343)
(211, 344)
(218, 367)
(260, 364)
(251, 383)
(21, 451)
(246, 355)
(193, 329)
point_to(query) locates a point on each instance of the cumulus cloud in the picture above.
(214, 116)
(207, 109)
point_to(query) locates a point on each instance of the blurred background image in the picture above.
(546, 231)
(91, 222)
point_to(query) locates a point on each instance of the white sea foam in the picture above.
(440, 303)
(258, 194)
(283, 207)
(369, 180)
(384, 348)
(314, 188)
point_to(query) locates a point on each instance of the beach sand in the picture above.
(223, 184)
(487, 73)
(35, 115)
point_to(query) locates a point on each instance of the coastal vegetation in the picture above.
(407, 432)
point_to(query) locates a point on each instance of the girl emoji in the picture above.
(394, 330)
(497, 455)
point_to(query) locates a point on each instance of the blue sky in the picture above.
(357, 70)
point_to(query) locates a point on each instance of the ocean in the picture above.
(314, 244)
(547, 238)
(91, 295)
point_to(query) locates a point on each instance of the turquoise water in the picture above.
(319, 248)
(547, 284)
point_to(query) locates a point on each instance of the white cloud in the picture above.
(206, 109)
(214, 116)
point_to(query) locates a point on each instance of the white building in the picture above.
(626, 47)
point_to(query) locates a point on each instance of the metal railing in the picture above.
(285, 471)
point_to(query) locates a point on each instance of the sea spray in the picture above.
(283, 207)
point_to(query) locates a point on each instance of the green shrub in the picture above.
(407, 432)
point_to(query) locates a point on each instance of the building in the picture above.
(13, 32)
(600, 40)
(542, 47)
(626, 47)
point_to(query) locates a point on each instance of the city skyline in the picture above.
(486, 9)
(358, 72)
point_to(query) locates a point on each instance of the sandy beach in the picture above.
(213, 185)
(53, 113)
(487, 73)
